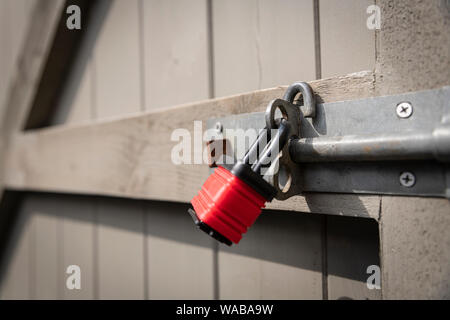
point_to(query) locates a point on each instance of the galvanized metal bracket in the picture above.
(398, 145)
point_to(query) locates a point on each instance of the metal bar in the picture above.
(379, 147)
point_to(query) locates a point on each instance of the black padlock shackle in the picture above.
(276, 144)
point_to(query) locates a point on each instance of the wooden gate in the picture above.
(87, 177)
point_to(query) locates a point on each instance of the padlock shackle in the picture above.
(281, 137)
(252, 153)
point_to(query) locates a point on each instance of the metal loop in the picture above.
(271, 123)
(309, 104)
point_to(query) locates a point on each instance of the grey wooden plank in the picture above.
(347, 45)
(415, 248)
(352, 246)
(120, 247)
(176, 48)
(415, 242)
(78, 241)
(180, 257)
(47, 273)
(116, 60)
(260, 44)
(412, 51)
(120, 273)
(278, 258)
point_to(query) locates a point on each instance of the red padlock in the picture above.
(232, 198)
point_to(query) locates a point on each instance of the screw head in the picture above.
(407, 179)
(219, 127)
(404, 110)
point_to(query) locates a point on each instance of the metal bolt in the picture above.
(407, 179)
(219, 127)
(404, 110)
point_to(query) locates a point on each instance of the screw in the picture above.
(404, 110)
(219, 127)
(407, 179)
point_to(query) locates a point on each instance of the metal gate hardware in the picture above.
(232, 197)
(397, 145)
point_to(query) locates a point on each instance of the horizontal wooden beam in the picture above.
(131, 156)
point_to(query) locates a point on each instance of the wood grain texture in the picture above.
(279, 258)
(347, 45)
(415, 246)
(176, 52)
(26, 77)
(131, 157)
(413, 46)
(260, 44)
(412, 54)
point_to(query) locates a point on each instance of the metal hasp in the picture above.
(397, 145)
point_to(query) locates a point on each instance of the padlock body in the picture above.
(228, 204)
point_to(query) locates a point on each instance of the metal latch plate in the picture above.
(375, 115)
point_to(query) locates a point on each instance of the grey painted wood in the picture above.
(180, 257)
(352, 246)
(415, 248)
(415, 241)
(347, 45)
(120, 246)
(120, 249)
(278, 258)
(47, 270)
(116, 62)
(78, 244)
(14, 21)
(260, 44)
(176, 48)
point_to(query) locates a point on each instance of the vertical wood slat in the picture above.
(120, 273)
(414, 248)
(261, 44)
(347, 45)
(175, 36)
(77, 244)
(278, 258)
(120, 233)
(176, 48)
(180, 264)
(352, 246)
(46, 240)
(117, 57)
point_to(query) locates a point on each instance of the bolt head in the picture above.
(407, 179)
(404, 110)
(219, 127)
